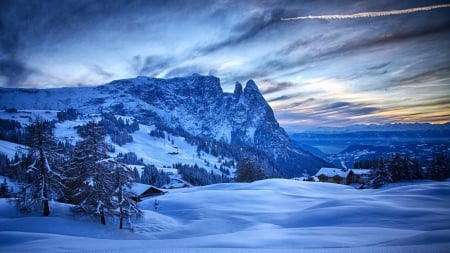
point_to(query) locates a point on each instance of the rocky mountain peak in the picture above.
(195, 104)
(237, 89)
(251, 88)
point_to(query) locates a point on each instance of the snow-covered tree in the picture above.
(43, 176)
(151, 175)
(381, 175)
(124, 205)
(91, 181)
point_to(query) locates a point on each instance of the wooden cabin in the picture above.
(335, 175)
(144, 190)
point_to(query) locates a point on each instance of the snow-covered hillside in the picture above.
(274, 215)
(160, 152)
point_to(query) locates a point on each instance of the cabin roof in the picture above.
(331, 172)
(139, 189)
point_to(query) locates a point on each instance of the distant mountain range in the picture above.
(187, 106)
(392, 127)
(334, 140)
(343, 146)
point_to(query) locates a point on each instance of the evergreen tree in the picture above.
(440, 167)
(43, 178)
(4, 191)
(248, 171)
(91, 181)
(151, 175)
(381, 175)
(136, 177)
(124, 205)
(395, 166)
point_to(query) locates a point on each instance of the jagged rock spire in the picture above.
(238, 89)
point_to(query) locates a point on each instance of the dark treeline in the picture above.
(12, 131)
(118, 128)
(397, 168)
(199, 176)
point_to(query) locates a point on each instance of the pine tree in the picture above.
(136, 176)
(124, 205)
(395, 166)
(440, 167)
(248, 171)
(4, 191)
(92, 182)
(381, 175)
(43, 179)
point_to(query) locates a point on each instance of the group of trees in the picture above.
(151, 175)
(248, 171)
(397, 168)
(11, 130)
(119, 128)
(83, 176)
(199, 176)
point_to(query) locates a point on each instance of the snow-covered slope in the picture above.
(10, 148)
(267, 216)
(159, 152)
(195, 104)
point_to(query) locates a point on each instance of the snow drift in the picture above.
(276, 215)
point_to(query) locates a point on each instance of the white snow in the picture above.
(10, 148)
(274, 215)
(26, 117)
(163, 153)
(331, 172)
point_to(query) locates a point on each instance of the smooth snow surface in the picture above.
(274, 215)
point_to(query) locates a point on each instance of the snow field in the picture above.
(275, 215)
(157, 151)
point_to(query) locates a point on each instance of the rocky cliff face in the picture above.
(195, 104)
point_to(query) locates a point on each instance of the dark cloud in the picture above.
(300, 43)
(355, 45)
(186, 71)
(301, 103)
(12, 68)
(378, 66)
(249, 28)
(150, 65)
(100, 71)
(14, 71)
(343, 109)
(431, 74)
(281, 98)
(40, 26)
(276, 86)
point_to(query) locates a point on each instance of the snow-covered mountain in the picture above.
(194, 106)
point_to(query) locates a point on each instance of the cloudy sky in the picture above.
(318, 63)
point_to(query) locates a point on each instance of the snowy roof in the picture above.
(361, 171)
(138, 188)
(331, 172)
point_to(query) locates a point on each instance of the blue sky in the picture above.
(325, 69)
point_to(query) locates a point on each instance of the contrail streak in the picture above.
(371, 14)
